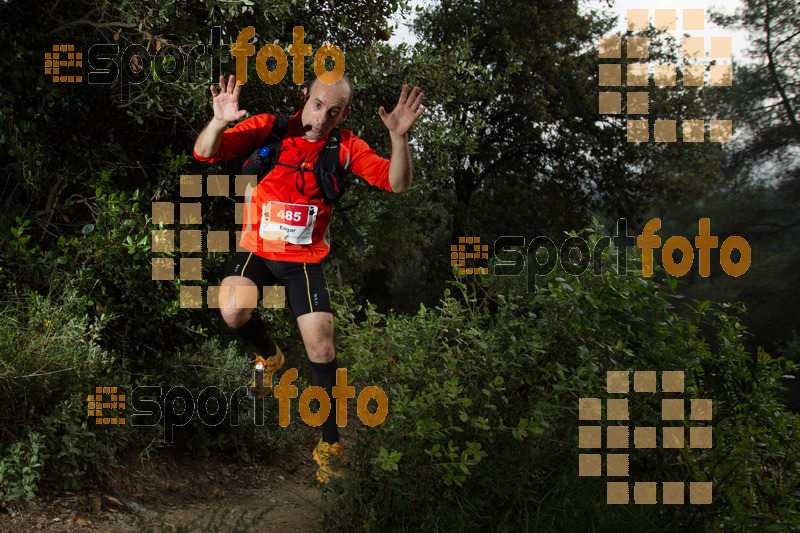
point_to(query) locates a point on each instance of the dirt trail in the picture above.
(178, 492)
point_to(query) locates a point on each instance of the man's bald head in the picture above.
(343, 81)
(324, 107)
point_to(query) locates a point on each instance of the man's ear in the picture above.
(344, 115)
(303, 96)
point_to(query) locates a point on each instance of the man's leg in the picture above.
(317, 332)
(239, 294)
(307, 291)
(237, 311)
(238, 299)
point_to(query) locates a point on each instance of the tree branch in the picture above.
(789, 38)
(97, 25)
(773, 71)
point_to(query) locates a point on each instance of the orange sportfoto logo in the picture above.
(704, 242)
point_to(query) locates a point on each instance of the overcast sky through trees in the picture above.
(402, 33)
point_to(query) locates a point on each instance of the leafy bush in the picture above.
(482, 426)
(224, 366)
(20, 470)
(53, 358)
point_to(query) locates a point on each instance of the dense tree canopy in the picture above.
(525, 147)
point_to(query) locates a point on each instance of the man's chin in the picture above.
(315, 135)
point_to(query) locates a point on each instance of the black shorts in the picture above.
(306, 286)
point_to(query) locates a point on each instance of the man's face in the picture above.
(326, 106)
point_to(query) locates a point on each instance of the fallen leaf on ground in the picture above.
(94, 504)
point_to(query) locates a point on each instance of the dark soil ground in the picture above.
(174, 491)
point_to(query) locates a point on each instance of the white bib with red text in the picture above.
(295, 221)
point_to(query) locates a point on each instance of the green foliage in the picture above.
(515, 132)
(84, 163)
(483, 393)
(766, 216)
(75, 445)
(791, 351)
(483, 386)
(51, 360)
(20, 469)
(213, 364)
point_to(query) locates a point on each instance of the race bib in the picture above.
(295, 221)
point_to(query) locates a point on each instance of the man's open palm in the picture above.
(226, 102)
(405, 113)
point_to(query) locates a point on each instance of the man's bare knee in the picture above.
(238, 298)
(236, 318)
(324, 353)
(317, 331)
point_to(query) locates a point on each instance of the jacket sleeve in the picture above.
(241, 139)
(356, 156)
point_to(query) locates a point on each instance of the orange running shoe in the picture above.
(261, 385)
(329, 458)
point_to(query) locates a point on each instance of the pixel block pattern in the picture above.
(459, 255)
(97, 402)
(193, 241)
(63, 55)
(637, 75)
(590, 437)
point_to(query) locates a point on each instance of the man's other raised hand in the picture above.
(405, 113)
(226, 101)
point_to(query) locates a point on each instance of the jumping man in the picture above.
(289, 200)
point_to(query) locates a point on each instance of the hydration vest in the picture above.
(327, 169)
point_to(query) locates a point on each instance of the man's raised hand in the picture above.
(226, 101)
(405, 113)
